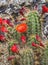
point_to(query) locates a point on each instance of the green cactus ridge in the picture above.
(34, 24)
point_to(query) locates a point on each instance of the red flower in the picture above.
(4, 21)
(44, 9)
(9, 23)
(2, 38)
(23, 19)
(38, 38)
(3, 29)
(41, 44)
(21, 12)
(34, 45)
(24, 9)
(11, 57)
(23, 39)
(15, 48)
(1, 21)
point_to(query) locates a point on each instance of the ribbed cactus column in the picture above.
(45, 56)
(26, 57)
(34, 28)
(34, 24)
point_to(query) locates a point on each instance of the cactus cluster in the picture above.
(26, 57)
(25, 38)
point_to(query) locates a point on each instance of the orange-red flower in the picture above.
(22, 27)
